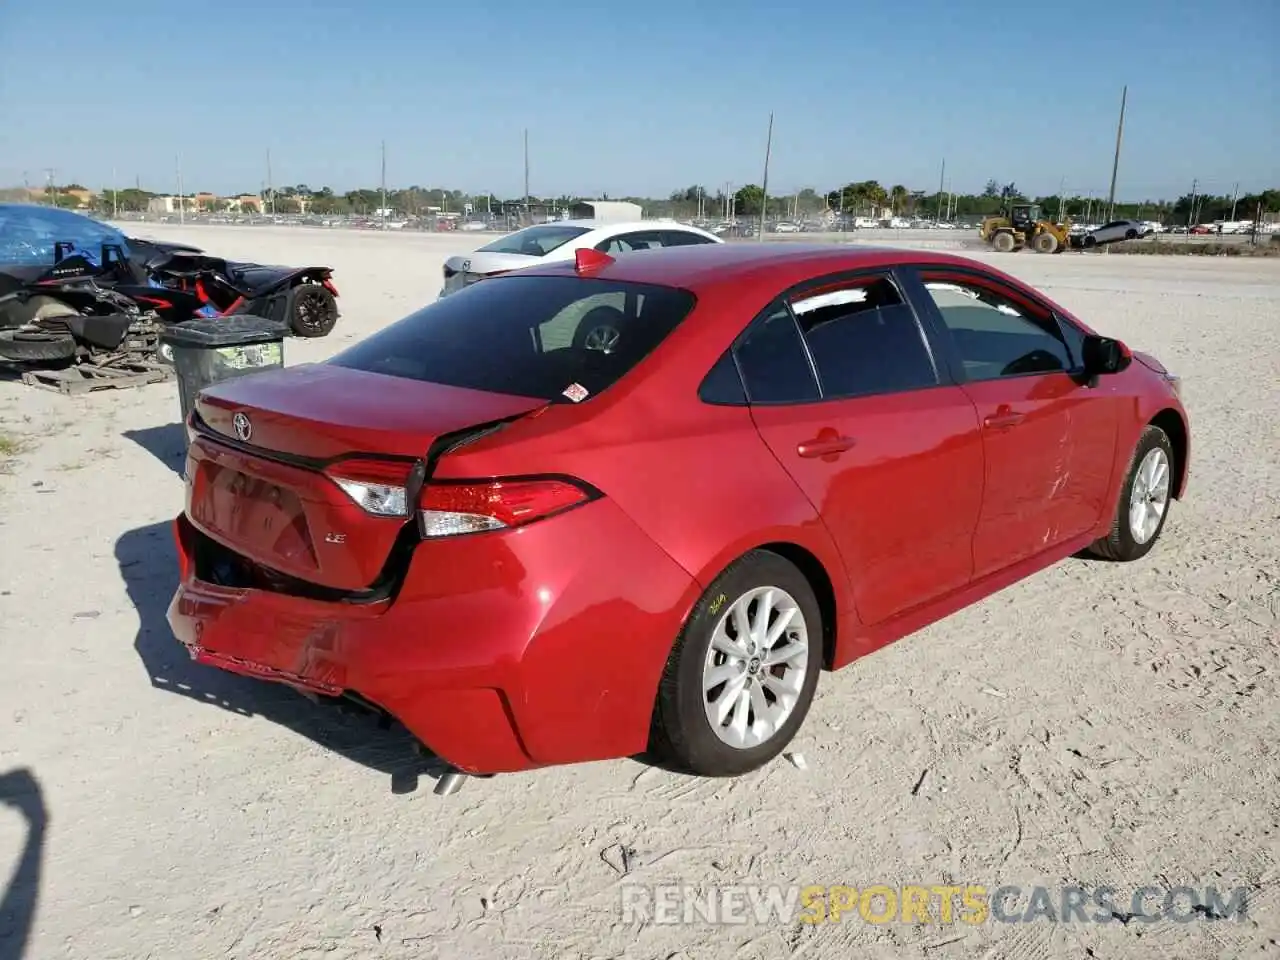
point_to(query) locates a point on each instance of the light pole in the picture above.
(1115, 163)
(764, 187)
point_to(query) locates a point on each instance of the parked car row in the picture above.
(839, 224)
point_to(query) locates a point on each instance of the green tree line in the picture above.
(856, 198)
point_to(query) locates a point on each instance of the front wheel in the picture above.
(1144, 500)
(1045, 243)
(742, 673)
(1003, 242)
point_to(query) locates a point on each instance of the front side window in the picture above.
(528, 336)
(864, 339)
(995, 334)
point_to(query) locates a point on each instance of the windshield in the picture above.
(28, 234)
(546, 337)
(535, 241)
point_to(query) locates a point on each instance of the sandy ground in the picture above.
(1101, 724)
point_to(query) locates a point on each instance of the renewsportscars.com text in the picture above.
(971, 904)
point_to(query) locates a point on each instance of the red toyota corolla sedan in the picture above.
(588, 510)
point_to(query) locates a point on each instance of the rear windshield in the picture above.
(535, 241)
(552, 338)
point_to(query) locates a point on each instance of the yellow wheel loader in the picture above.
(1022, 226)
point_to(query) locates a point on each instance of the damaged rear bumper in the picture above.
(500, 652)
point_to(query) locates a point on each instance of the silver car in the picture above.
(1117, 230)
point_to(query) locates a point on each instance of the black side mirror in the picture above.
(1104, 355)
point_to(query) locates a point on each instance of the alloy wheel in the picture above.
(1149, 496)
(755, 667)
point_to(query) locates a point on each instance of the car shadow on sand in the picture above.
(149, 567)
(167, 443)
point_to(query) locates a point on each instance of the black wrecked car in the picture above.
(76, 289)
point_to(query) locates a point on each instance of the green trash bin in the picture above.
(205, 352)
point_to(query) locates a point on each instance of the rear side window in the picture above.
(536, 241)
(683, 238)
(774, 366)
(864, 339)
(553, 338)
(650, 240)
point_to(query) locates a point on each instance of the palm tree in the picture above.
(898, 198)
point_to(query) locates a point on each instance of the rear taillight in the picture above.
(379, 487)
(450, 508)
(330, 286)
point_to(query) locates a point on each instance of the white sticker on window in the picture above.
(576, 392)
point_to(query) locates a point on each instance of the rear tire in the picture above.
(1003, 243)
(733, 694)
(1089, 242)
(1144, 501)
(21, 346)
(312, 310)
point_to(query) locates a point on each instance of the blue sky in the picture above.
(642, 97)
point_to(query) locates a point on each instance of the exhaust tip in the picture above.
(450, 783)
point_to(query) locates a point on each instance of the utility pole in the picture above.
(1192, 211)
(182, 205)
(937, 215)
(382, 212)
(527, 214)
(115, 196)
(50, 194)
(271, 190)
(764, 187)
(1115, 164)
(1235, 196)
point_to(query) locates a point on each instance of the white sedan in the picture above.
(1116, 230)
(561, 240)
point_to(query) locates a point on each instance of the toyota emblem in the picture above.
(243, 428)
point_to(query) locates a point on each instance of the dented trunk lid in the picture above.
(266, 447)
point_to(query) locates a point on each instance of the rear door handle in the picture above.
(825, 446)
(1001, 421)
